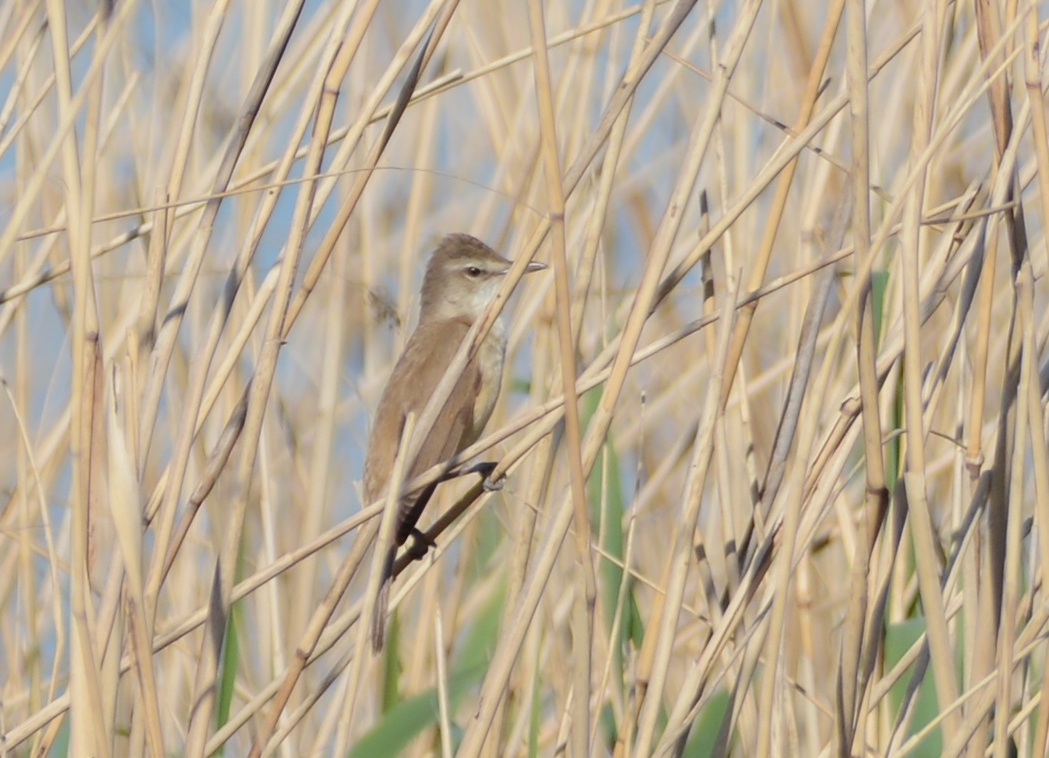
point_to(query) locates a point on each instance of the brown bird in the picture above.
(462, 278)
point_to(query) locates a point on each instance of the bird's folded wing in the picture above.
(456, 417)
(420, 369)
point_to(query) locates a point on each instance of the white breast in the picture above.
(490, 360)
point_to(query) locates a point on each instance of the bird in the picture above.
(462, 277)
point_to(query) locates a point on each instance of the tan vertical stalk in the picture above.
(994, 48)
(851, 722)
(585, 595)
(1040, 133)
(89, 733)
(920, 518)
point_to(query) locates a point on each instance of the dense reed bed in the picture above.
(795, 502)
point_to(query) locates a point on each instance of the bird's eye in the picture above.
(473, 272)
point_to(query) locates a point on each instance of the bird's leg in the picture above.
(485, 469)
(421, 544)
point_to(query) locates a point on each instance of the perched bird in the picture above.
(462, 277)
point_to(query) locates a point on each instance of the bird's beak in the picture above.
(534, 266)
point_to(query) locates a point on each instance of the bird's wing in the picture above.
(445, 438)
(426, 357)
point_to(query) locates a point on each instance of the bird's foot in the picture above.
(421, 544)
(485, 469)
